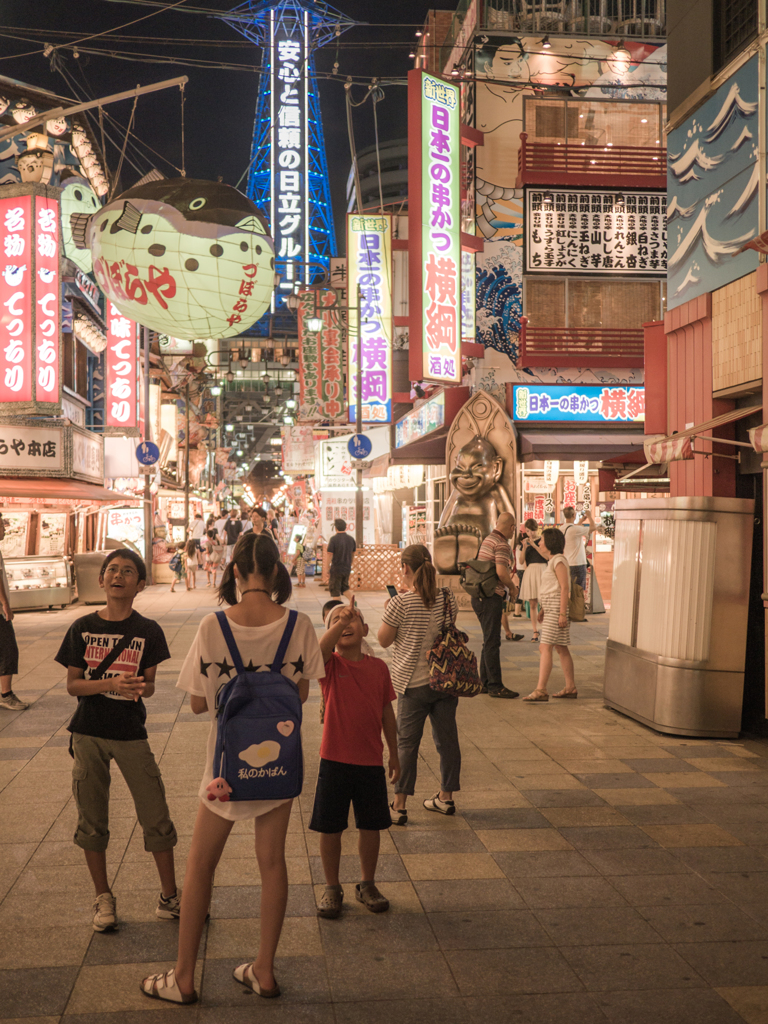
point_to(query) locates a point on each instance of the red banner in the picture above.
(47, 299)
(321, 360)
(16, 285)
(122, 370)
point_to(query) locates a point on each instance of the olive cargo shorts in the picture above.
(90, 785)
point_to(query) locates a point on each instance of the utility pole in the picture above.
(186, 459)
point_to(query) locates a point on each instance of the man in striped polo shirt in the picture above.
(495, 548)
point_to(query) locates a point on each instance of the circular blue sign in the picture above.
(359, 446)
(147, 453)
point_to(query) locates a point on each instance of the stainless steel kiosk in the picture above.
(675, 654)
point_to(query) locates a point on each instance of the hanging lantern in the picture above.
(549, 506)
(581, 472)
(77, 196)
(187, 258)
(551, 473)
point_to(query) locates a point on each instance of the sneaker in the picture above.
(330, 902)
(105, 912)
(441, 806)
(11, 702)
(169, 909)
(371, 898)
(504, 693)
(398, 817)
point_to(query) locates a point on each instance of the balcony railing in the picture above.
(567, 163)
(576, 17)
(580, 346)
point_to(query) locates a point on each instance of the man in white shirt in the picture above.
(575, 550)
(219, 527)
(196, 533)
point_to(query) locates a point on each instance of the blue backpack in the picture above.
(258, 738)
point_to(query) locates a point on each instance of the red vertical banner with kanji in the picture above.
(47, 299)
(434, 227)
(321, 358)
(16, 287)
(121, 398)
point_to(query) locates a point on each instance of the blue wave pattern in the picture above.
(501, 299)
(712, 190)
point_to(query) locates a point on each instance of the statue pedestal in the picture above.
(453, 584)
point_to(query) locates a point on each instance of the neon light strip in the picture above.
(272, 132)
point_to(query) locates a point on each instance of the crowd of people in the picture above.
(209, 544)
(111, 657)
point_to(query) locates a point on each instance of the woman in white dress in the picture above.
(554, 591)
(255, 584)
(535, 564)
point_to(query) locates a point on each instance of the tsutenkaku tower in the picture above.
(288, 174)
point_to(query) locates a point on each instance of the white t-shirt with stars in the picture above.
(208, 667)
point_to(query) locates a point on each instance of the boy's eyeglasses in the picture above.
(114, 571)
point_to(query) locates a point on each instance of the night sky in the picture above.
(220, 103)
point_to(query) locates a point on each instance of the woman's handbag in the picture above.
(452, 666)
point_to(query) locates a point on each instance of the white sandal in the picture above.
(163, 986)
(244, 974)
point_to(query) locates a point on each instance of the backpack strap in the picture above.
(233, 651)
(277, 665)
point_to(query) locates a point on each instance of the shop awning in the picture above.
(75, 491)
(672, 448)
(759, 438)
(535, 445)
(427, 451)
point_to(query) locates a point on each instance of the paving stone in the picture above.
(548, 893)
(558, 863)
(635, 862)
(590, 926)
(614, 837)
(622, 967)
(414, 972)
(673, 1006)
(468, 895)
(563, 1008)
(506, 818)
(716, 922)
(728, 963)
(491, 972)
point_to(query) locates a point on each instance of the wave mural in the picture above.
(713, 178)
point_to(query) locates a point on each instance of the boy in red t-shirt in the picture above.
(358, 706)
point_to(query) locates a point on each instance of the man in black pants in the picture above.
(9, 651)
(495, 548)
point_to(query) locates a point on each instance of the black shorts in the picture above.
(362, 785)
(9, 649)
(338, 584)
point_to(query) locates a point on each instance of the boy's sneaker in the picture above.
(330, 902)
(398, 817)
(11, 702)
(371, 898)
(105, 912)
(441, 806)
(169, 909)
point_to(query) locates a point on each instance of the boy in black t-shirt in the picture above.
(109, 723)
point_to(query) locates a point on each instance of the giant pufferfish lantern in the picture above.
(184, 257)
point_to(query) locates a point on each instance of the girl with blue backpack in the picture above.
(249, 668)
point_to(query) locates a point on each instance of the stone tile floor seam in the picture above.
(595, 870)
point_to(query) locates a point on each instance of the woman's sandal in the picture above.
(244, 974)
(535, 638)
(163, 986)
(537, 697)
(573, 694)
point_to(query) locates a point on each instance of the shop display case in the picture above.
(40, 581)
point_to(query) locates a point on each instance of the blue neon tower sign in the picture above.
(288, 174)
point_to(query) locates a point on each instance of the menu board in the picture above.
(52, 533)
(14, 544)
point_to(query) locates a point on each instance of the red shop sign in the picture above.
(16, 285)
(47, 298)
(122, 370)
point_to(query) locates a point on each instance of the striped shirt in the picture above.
(408, 614)
(495, 548)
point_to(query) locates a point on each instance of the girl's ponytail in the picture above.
(419, 560)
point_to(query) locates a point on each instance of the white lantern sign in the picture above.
(551, 473)
(581, 472)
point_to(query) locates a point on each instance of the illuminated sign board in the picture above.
(434, 134)
(422, 421)
(321, 359)
(289, 155)
(121, 398)
(47, 299)
(537, 403)
(575, 231)
(16, 286)
(468, 296)
(369, 266)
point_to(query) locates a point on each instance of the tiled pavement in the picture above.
(596, 871)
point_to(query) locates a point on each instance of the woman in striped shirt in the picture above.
(412, 622)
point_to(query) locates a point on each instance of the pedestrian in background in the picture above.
(554, 591)
(233, 527)
(340, 550)
(176, 565)
(576, 534)
(9, 649)
(189, 558)
(214, 552)
(520, 569)
(535, 563)
(495, 548)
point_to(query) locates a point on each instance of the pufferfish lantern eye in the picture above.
(197, 204)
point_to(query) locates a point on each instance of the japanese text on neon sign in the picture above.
(596, 404)
(369, 247)
(441, 249)
(288, 132)
(16, 285)
(121, 370)
(47, 299)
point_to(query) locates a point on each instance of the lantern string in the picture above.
(183, 159)
(125, 143)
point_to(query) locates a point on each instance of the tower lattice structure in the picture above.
(289, 32)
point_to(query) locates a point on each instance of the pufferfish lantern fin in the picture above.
(79, 225)
(129, 219)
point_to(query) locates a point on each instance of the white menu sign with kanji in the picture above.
(578, 231)
(38, 448)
